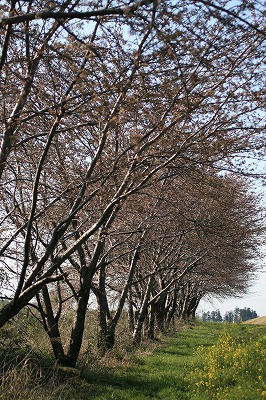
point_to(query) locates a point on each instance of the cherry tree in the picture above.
(100, 101)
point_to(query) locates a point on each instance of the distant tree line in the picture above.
(238, 315)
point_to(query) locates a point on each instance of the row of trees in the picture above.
(240, 314)
(125, 128)
(236, 316)
(212, 316)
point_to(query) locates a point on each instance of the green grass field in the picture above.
(201, 361)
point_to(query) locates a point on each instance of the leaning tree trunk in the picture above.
(160, 311)
(107, 323)
(142, 314)
(106, 334)
(192, 307)
(150, 327)
(131, 315)
(172, 310)
(50, 323)
(87, 274)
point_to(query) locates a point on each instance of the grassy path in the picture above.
(230, 366)
(159, 376)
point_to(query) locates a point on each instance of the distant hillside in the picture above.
(256, 321)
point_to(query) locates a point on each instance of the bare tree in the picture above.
(204, 240)
(98, 103)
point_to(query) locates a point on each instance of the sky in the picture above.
(256, 299)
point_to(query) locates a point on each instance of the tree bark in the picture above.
(142, 314)
(83, 298)
(50, 323)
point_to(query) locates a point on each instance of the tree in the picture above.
(192, 244)
(100, 102)
(206, 316)
(229, 316)
(246, 314)
(239, 315)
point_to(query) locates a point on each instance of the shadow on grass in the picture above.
(158, 377)
(129, 384)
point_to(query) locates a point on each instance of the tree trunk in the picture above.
(193, 305)
(107, 323)
(106, 335)
(14, 307)
(51, 326)
(83, 298)
(160, 311)
(131, 318)
(142, 314)
(172, 310)
(151, 322)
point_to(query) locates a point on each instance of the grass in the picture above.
(256, 321)
(199, 362)
(161, 375)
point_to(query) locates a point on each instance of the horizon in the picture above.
(255, 299)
